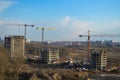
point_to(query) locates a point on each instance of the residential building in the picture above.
(50, 56)
(98, 59)
(15, 45)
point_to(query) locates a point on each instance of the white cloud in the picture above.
(65, 21)
(115, 24)
(7, 22)
(1, 22)
(4, 4)
(74, 27)
(108, 27)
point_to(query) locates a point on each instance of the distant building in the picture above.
(28, 41)
(109, 43)
(1, 40)
(15, 45)
(61, 43)
(98, 59)
(98, 43)
(50, 56)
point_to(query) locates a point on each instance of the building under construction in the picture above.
(15, 45)
(98, 59)
(50, 56)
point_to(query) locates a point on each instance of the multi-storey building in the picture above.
(15, 45)
(98, 59)
(50, 56)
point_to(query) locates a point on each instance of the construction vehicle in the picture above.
(44, 28)
(88, 41)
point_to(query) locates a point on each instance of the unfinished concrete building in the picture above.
(15, 45)
(98, 59)
(50, 56)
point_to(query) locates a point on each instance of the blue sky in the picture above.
(69, 18)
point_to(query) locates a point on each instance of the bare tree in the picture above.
(9, 67)
(34, 77)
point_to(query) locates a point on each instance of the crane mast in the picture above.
(42, 34)
(31, 25)
(88, 41)
(88, 46)
(24, 25)
(25, 30)
(43, 29)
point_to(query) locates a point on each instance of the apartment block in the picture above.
(50, 56)
(98, 59)
(15, 45)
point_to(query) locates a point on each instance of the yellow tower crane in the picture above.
(25, 30)
(88, 41)
(44, 28)
(17, 24)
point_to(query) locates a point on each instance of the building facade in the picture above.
(15, 45)
(50, 56)
(98, 59)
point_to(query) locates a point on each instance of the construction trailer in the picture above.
(98, 59)
(50, 56)
(15, 45)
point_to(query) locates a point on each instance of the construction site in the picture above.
(59, 39)
(74, 61)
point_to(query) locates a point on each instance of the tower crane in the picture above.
(44, 28)
(24, 25)
(88, 41)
